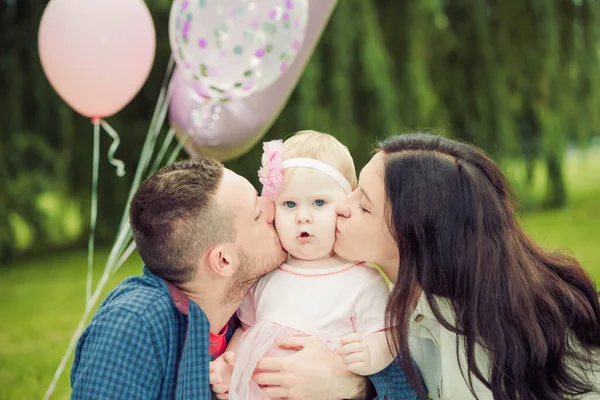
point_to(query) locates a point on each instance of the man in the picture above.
(206, 238)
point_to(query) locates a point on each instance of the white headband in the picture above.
(319, 166)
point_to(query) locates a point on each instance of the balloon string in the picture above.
(154, 129)
(126, 254)
(177, 149)
(93, 212)
(124, 231)
(118, 164)
(163, 150)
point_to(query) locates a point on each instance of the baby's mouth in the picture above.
(304, 237)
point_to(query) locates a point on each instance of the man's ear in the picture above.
(221, 260)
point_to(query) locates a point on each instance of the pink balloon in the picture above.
(240, 124)
(97, 54)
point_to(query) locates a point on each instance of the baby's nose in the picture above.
(303, 217)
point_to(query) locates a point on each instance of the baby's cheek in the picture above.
(329, 231)
(333, 221)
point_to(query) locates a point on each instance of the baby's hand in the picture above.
(356, 354)
(220, 374)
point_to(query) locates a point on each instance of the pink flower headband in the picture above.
(271, 176)
(269, 173)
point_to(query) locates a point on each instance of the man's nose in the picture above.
(343, 210)
(269, 209)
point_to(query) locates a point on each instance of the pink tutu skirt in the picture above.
(256, 343)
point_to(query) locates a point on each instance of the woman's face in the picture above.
(362, 230)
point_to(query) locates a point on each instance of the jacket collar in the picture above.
(180, 300)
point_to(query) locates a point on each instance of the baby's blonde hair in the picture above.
(323, 147)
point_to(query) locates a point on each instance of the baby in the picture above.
(315, 292)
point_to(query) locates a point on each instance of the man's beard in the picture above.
(245, 277)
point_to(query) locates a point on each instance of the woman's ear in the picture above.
(222, 260)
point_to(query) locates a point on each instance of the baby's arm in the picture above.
(365, 352)
(222, 368)
(234, 342)
(366, 356)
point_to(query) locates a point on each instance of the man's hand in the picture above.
(356, 354)
(313, 373)
(220, 374)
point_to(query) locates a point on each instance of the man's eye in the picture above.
(319, 203)
(290, 204)
(258, 216)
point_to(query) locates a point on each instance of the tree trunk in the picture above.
(556, 195)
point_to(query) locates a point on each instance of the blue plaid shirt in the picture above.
(148, 341)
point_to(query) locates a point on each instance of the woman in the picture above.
(483, 311)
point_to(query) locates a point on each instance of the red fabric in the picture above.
(182, 302)
(217, 344)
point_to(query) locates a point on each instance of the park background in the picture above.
(519, 78)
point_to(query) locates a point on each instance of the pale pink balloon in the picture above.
(97, 54)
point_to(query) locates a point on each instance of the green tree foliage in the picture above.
(519, 78)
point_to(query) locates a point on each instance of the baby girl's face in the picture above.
(305, 215)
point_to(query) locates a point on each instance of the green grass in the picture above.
(575, 229)
(42, 300)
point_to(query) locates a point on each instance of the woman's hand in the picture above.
(314, 372)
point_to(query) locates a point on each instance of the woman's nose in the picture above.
(343, 210)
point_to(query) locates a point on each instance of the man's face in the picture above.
(259, 249)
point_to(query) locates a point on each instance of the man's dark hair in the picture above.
(175, 219)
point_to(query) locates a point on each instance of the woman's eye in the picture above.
(290, 204)
(362, 209)
(319, 203)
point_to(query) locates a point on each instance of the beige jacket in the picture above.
(434, 350)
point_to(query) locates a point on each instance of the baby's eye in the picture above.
(290, 204)
(319, 203)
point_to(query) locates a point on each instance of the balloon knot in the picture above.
(96, 120)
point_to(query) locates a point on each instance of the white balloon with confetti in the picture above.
(233, 48)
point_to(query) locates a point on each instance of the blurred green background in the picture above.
(519, 78)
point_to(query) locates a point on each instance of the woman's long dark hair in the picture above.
(535, 313)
